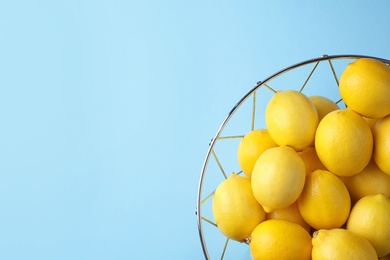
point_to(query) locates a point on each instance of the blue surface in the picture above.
(107, 108)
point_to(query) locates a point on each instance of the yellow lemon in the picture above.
(291, 119)
(370, 181)
(290, 213)
(365, 87)
(371, 122)
(251, 147)
(323, 105)
(311, 160)
(341, 244)
(344, 142)
(278, 178)
(382, 144)
(235, 210)
(370, 218)
(280, 239)
(325, 202)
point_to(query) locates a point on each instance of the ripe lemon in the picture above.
(382, 144)
(251, 147)
(370, 181)
(291, 119)
(341, 244)
(325, 202)
(365, 87)
(344, 142)
(323, 105)
(311, 160)
(290, 213)
(370, 218)
(235, 210)
(278, 178)
(280, 239)
(371, 122)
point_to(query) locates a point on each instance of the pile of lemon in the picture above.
(317, 178)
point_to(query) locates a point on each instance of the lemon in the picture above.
(365, 87)
(280, 239)
(370, 181)
(290, 213)
(325, 202)
(311, 160)
(341, 244)
(251, 147)
(382, 144)
(370, 218)
(291, 119)
(235, 210)
(278, 178)
(344, 142)
(323, 105)
(371, 122)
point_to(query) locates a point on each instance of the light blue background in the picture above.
(107, 108)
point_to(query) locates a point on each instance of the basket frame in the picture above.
(198, 210)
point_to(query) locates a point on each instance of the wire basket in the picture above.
(318, 76)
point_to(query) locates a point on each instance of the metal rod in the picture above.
(334, 72)
(208, 197)
(219, 164)
(224, 248)
(253, 110)
(209, 221)
(307, 79)
(230, 137)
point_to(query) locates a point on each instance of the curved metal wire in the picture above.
(198, 211)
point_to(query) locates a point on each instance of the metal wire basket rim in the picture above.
(241, 101)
